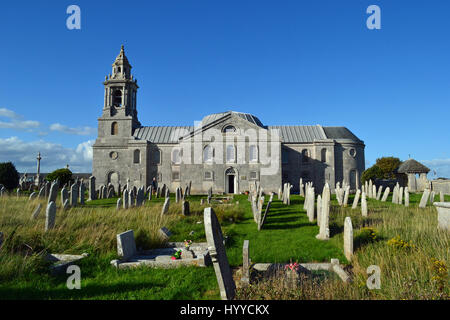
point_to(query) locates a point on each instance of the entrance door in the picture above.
(231, 184)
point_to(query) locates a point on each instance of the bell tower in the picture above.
(119, 116)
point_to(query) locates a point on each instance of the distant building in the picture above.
(127, 152)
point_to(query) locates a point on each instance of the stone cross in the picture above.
(364, 205)
(348, 238)
(218, 255)
(126, 246)
(50, 216)
(424, 199)
(245, 279)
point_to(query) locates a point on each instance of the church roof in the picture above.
(289, 134)
(412, 166)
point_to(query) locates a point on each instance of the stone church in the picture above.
(228, 151)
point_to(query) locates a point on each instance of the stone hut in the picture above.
(411, 168)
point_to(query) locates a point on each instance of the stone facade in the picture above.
(126, 150)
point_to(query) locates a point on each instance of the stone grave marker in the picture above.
(424, 199)
(364, 205)
(126, 246)
(185, 208)
(348, 238)
(245, 279)
(50, 216)
(165, 207)
(356, 199)
(385, 194)
(36, 211)
(165, 233)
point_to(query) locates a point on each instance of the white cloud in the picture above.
(441, 166)
(15, 121)
(54, 156)
(82, 131)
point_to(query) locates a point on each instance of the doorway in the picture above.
(231, 183)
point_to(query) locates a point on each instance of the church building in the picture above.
(227, 151)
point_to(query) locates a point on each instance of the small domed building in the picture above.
(227, 151)
(416, 174)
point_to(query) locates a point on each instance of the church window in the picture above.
(208, 152)
(352, 152)
(175, 175)
(208, 175)
(253, 175)
(305, 155)
(323, 155)
(231, 153)
(137, 156)
(176, 156)
(117, 98)
(114, 128)
(229, 128)
(253, 153)
(157, 156)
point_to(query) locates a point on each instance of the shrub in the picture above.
(397, 242)
(9, 176)
(373, 173)
(63, 175)
(367, 235)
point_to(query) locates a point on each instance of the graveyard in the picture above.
(288, 253)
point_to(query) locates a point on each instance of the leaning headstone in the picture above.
(32, 196)
(363, 205)
(263, 220)
(119, 204)
(348, 238)
(346, 194)
(424, 199)
(66, 205)
(50, 216)
(165, 207)
(245, 279)
(125, 199)
(385, 194)
(126, 246)
(218, 254)
(165, 233)
(380, 189)
(432, 196)
(356, 199)
(36, 212)
(42, 193)
(185, 208)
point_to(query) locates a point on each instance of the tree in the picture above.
(373, 173)
(388, 166)
(63, 175)
(9, 176)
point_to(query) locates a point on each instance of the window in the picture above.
(175, 176)
(114, 128)
(113, 155)
(253, 153)
(229, 129)
(305, 155)
(117, 98)
(352, 152)
(209, 175)
(253, 175)
(176, 156)
(231, 154)
(157, 156)
(284, 156)
(323, 155)
(208, 152)
(137, 156)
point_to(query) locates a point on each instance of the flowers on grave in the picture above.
(177, 255)
(292, 266)
(187, 243)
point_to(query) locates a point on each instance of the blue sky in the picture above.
(288, 62)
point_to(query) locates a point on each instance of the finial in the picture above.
(121, 48)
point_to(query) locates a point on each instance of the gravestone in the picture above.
(32, 196)
(125, 199)
(356, 199)
(165, 233)
(36, 211)
(185, 208)
(406, 197)
(374, 192)
(53, 192)
(42, 193)
(119, 204)
(346, 194)
(364, 205)
(263, 220)
(370, 190)
(319, 208)
(400, 196)
(380, 189)
(158, 192)
(165, 207)
(310, 205)
(150, 193)
(424, 199)
(50, 216)
(64, 196)
(324, 231)
(126, 246)
(131, 199)
(348, 238)
(302, 188)
(432, 196)
(245, 279)
(385, 194)
(82, 190)
(441, 197)
(443, 209)
(218, 255)
(167, 192)
(74, 195)
(139, 197)
(66, 205)
(177, 195)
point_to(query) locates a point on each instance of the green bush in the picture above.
(63, 175)
(9, 177)
(372, 173)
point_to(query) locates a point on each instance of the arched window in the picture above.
(117, 98)
(323, 155)
(231, 154)
(208, 152)
(229, 129)
(176, 156)
(137, 156)
(114, 128)
(305, 155)
(157, 156)
(253, 153)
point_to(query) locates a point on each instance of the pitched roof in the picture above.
(299, 134)
(217, 116)
(412, 166)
